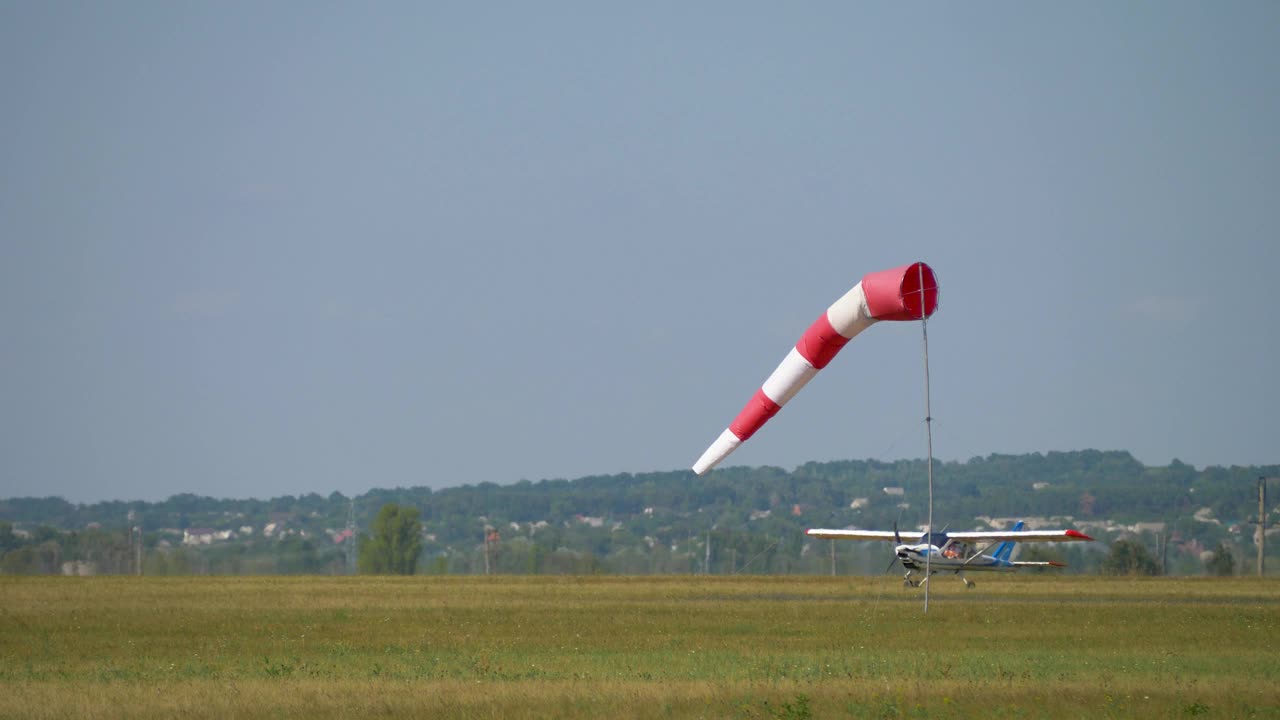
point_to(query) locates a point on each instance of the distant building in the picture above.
(859, 503)
(1205, 515)
(78, 568)
(197, 536)
(894, 491)
(1028, 522)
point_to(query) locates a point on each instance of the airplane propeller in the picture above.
(896, 557)
(892, 560)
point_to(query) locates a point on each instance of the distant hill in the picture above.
(651, 521)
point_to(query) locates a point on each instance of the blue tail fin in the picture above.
(1005, 548)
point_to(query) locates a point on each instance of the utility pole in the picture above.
(486, 549)
(133, 533)
(706, 564)
(351, 536)
(833, 557)
(1261, 522)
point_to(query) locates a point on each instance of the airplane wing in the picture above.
(856, 534)
(1021, 536)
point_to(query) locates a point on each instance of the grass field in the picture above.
(747, 647)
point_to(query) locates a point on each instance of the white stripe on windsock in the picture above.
(849, 315)
(787, 379)
(725, 444)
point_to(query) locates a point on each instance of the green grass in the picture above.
(755, 647)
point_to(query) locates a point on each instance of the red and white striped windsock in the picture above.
(909, 292)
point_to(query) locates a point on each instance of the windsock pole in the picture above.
(928, 426)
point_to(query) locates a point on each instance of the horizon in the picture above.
(731, 467)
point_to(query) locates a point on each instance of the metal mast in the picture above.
(928, 424)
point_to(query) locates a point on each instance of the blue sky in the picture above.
(250, 249)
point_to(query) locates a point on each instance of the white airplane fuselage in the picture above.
(914, 557)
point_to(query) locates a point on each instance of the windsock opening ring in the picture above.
(905, 293)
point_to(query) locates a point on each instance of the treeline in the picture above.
(738, 519)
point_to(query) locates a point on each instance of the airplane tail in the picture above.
(1004, 551)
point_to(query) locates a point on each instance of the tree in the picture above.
(1129, 557)
(8, 540)
(1223, 563)
(397, 539)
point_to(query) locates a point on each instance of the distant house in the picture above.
(78, 568)
(1039, 485)
(894, 491)
(1028, 522)
(860, 503)
(205, 536)
(760, 514)
(1205, 515)
(197, 536)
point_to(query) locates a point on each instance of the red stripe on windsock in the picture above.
(909, 292)
(757, 412)
(820, 342)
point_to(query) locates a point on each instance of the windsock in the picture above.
(909, 292)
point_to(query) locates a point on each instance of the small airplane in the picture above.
(958, 551)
